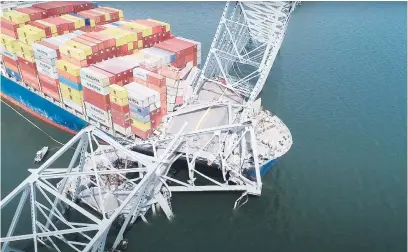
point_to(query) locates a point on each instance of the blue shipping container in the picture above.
(69, 83)
(13, 74)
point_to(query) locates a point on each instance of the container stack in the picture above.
(9, 28)
(10, 59)
(120, 110)
(95, 84)
(123, 75)
(47, 54)
(185, 50)
(28, 35)
(143, 101)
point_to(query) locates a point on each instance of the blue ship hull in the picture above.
(41, 106)
(58, 115)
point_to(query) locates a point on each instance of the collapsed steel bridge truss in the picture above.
(110, 186)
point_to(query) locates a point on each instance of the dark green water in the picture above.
(339, 83)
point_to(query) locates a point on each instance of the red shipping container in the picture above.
(61, 24)
(108, 41)
(8, 24)
(81, 63)
(10, 61)
(45, 28)
(156, 28)
(122, 121)
(93, 46)
(50, 86)
(140, 81)
(27, 64)
(114, 15)
(34, 13)
(96, 99)
(10, 64)
(97, 17)
(30, 79)
(49, 92)
(81, 6)
(142, 134)
(11, 67)
(46, 79)
(156, 119)
(75, 79)
(189, 57)
(10, 33)
(156, 79)
(120, 109)
(98, 42)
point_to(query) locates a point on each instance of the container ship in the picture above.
(74, 63)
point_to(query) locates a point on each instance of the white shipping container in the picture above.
(171, 91)
(9, 54)
(98, 114)
(44, 51)
(49, 61)
(136, 89)
(96, 88)
(71, 104)
(171, 83)
(124, 131)
(46, 71)
(94, 77)
(138, 99)
(140, 73)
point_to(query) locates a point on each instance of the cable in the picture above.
(32, 123)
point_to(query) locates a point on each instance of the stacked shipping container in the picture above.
(124, 75)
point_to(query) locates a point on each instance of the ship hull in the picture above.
(40, 107)
(59, 117)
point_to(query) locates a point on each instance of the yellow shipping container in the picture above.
(53, 27)
(16, 16)
(29, 34)
(121, 38)
(66, 66)
(24, 48)
(146, 31)
(141, 126)
(118, 101)
(118, 91)
(8, 42)
(120, 11)
(26, 56)
(162, 23)
(140, 44)
(73, 52)
(92, 22)
(72, 94)
(85, 48)
(107, 15)
(74, 99)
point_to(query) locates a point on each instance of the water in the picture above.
(339, 83)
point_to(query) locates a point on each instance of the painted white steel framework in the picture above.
(245, 45)
(110, 185)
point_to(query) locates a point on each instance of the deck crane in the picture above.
(108, 187)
